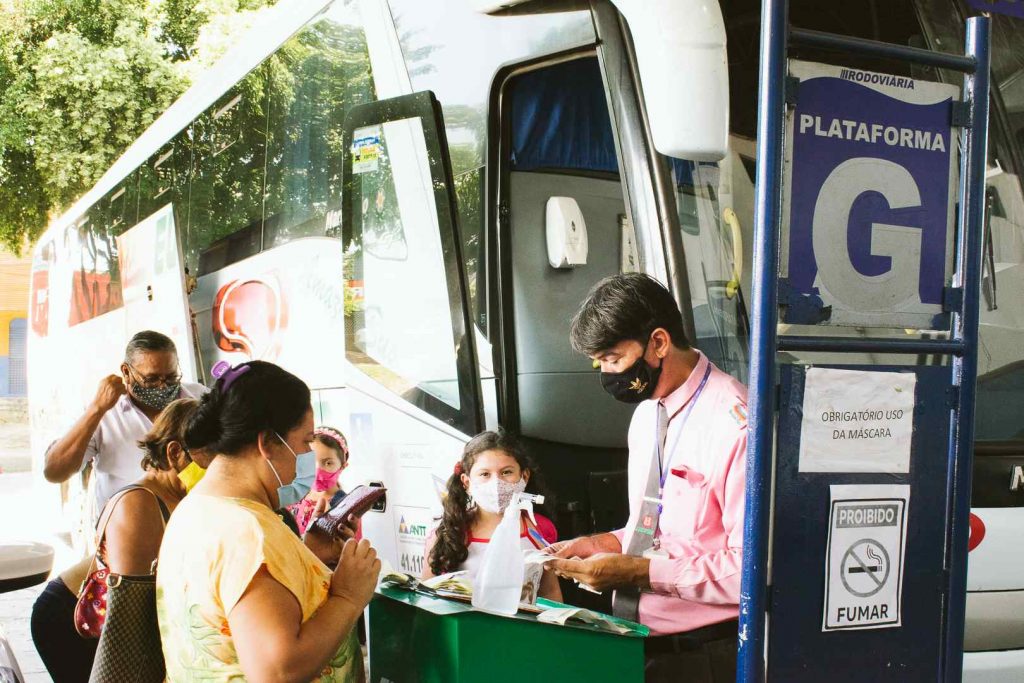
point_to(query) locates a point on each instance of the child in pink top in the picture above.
(492, 468)
(331, 450)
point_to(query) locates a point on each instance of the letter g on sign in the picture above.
(836, 272)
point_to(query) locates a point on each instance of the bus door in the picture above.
(558, 174)
(569, 146)
(153, 285)
(411, 364)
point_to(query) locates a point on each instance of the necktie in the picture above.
(626, 601)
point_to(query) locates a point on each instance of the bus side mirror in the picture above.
(681, 57)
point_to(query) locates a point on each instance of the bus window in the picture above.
(1000, 402)
(1008, 75)
(407, 330)
(95, 275)
(437, 40)
(163, 180)
(118, 210)
(999, 415)
(226, 189)
(315, 79)
(712, 243)
(39, 311)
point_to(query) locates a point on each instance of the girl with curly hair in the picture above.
(493, 467)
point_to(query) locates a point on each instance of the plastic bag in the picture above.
(498, 586)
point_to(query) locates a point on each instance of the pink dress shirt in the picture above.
(701, 525)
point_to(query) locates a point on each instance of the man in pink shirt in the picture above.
(675, 566)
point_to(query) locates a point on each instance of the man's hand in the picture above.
(585, 546)
(605, 570)
(111, 388)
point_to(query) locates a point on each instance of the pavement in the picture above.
(19, 502)
(14, 448)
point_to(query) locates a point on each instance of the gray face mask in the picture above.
(155, 398)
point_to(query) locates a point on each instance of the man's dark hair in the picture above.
(148, 341)
(622, 307)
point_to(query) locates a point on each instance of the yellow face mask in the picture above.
(191, 475)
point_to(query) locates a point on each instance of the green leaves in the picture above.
(80, 80)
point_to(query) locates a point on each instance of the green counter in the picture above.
(416, 638)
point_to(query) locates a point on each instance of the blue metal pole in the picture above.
(965, 329)
(760, 432)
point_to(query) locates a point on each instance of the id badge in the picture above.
(650, 511)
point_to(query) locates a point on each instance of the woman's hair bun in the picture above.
(264, 398)
(203, 430)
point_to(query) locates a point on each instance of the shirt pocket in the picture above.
(686, 500)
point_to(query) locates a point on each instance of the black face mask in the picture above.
(634, 384)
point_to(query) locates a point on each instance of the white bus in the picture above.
(359, 192)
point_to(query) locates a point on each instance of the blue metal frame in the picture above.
(771, 118)
(916, 55)
(965, 330)
(863, 345)
(764, 342)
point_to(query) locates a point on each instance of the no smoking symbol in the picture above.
(865, 568)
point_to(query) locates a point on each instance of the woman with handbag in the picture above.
(66, 628)
(239, 596)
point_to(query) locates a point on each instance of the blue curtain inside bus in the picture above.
(560, 121)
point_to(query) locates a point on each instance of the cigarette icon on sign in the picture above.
(875, 568)
(865, 568)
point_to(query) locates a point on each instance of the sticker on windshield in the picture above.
(367, 148)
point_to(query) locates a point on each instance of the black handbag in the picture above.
(129, 650)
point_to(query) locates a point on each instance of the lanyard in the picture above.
(663, 466)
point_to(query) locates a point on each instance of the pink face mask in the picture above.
(325, 481)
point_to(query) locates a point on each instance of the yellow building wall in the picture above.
(14, 291)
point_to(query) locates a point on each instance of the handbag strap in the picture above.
(108, 510)
(101, 530)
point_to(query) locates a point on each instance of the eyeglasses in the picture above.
(155, 381)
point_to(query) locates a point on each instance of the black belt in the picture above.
(692, 640)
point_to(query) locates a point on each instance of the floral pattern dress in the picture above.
(211, 550)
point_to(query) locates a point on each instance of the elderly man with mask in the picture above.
(121, 413)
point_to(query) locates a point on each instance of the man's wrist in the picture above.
(642, 573)
(96, 412)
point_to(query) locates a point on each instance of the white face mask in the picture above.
(495, 495)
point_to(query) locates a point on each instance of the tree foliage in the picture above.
(80, 80)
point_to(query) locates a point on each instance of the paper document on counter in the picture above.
(455, 583)
(560, 615)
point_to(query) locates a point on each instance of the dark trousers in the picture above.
(67, 655)
(707, 655)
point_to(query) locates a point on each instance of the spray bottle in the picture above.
(499, 581)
